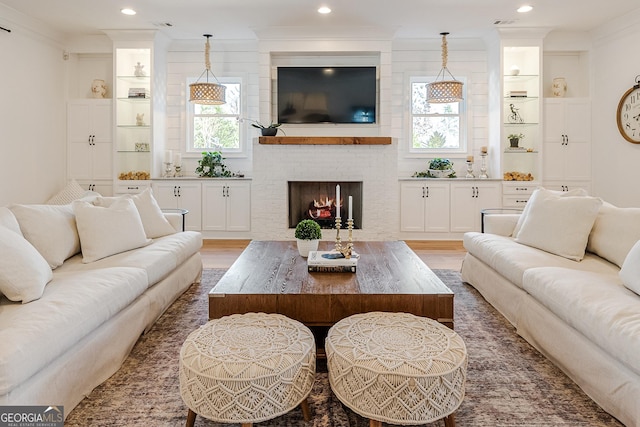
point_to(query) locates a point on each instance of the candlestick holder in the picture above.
(483, 166)
(178, 171)
(347, 250)
(168, 170)
(469, 170)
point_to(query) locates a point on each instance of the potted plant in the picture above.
(270, 130)
(441, 168)
(514, 139)
(212, 166)
(308, 235)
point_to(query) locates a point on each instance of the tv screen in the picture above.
(326, 94)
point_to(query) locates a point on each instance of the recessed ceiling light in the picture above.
(127, 11)
(525, 8)
(324, 10)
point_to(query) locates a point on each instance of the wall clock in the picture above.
(628, 114)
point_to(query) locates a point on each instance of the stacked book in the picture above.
(331, 262)
(138, 92)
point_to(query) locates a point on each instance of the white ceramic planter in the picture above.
(305, 246)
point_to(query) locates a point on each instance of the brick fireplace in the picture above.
(374, 167)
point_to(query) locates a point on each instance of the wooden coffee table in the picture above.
(271, 277)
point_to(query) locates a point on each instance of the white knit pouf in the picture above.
(247, 368)
(397, 367)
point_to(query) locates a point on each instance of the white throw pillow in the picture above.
(614, 233)
(559, 224)
(571, 193)
(108, 231)
(153, 220)
(630, 271)
(51, 229)
(8, 220)
(23, 271)
(68, 194)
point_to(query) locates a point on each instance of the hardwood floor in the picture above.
(437, 254)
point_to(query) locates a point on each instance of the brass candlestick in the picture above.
(348, 250)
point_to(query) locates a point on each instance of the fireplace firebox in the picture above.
(316, 200)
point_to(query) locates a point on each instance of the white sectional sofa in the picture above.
(69, 317)
(568, 278)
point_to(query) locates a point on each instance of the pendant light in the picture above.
(442, 91)
(204, 92)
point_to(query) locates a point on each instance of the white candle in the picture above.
(168, 156)
(338, 201)
(177, 159)
(350, 207)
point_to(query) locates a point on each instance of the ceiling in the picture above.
(246, 19)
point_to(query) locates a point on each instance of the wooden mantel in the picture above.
(325, 140)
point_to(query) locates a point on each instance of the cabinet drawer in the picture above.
(515, 201)
(132, 187)
(522, 188)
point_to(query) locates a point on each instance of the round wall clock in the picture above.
(628, 114)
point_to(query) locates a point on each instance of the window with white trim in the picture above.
(217, 127)
(435, 127)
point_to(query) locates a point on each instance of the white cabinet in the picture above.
(468, 199)
(515, 194)
(226, 206)
(180, 194)
(567, 142)
(424, 206)
(89, 140)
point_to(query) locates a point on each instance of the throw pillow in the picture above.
(153, 220)
(525, 211)
(8, 219)
(559, 224)
(68, 194)
(630, 271)
(51, 229)
(614, 233)
(23, 271)
(108, 231)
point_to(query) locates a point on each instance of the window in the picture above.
(435, 127)
(217, 127)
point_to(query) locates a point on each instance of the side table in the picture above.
(496, 211)
(183, 212)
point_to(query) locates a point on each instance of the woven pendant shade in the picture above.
(204, 92)
(444, 91)
(207, 93)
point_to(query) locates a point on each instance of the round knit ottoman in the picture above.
(247, 368)
(397, 368)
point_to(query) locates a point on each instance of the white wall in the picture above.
(616, 63)
(32, 111)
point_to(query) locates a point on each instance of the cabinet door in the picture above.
(412, 206)
(189, 195)
(165, 194)
(89, 142)
(79, 159)
(238, 206)
(214, 206)
(101, 160)
(436, 208)
(463, 210)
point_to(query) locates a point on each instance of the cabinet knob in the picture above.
(427, 191)
(133, 188)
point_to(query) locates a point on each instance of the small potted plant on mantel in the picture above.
(308, 235)
(270, 130)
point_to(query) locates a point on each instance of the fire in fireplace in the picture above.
(316, 200)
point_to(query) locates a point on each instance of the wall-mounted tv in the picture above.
(326, 94)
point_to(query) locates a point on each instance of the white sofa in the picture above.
(583, 313)
(62, 338)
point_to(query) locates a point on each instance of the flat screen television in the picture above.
(326, 94)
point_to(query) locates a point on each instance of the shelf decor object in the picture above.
(444, 91)
(204, 92)
(628, 114)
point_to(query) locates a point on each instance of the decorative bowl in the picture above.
(440, 173)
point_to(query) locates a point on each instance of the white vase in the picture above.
(98, 88)
(559, 87)
(306, 246)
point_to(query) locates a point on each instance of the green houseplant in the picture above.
(438, 168)
(270, 130)
(308, 234)
(514, 139)
(212, 165)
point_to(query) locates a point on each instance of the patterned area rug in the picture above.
(508, 382)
